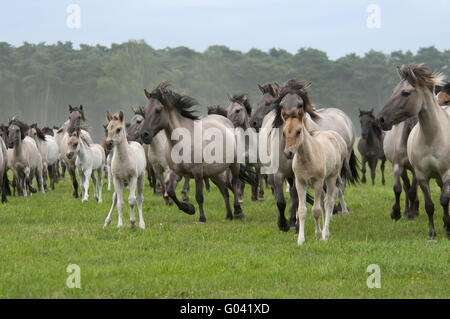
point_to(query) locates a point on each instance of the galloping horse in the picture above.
(293, 95)
(317, 160)
(238, 112)
(168, 111)
(370, 146)
(76, 122)
(429, 141)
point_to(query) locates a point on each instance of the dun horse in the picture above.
(167, 111)
(370, 146)
(128, 168)
(429, 141)
(24, 158)
(293, 95)
(317, 162)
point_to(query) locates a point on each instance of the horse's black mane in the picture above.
(40, 135)
(140, 111)
(48, 131)
(217, 109)
(243, 100)
(270, 88)
(24, 128)
(294, 86)
(182, 103)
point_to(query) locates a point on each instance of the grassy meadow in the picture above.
(250, 258)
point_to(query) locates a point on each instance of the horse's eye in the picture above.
(238, 110)
(298, 133)
(139, 122)
(76, 145)
(118, 130)
(405, 94)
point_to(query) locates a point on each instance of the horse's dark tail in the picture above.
(350, 169)
(247, 175)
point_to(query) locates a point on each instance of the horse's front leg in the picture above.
(445, 201)
(383, 162)
(198, 177)
(235, 182)
(73, 178)
(293, 205)
(396, 214)
(317, 207)
(301, 214)
(113, 205)
(132, 200)
(373, 169)
(363, 169)
(406, 188)
(118, 189)
(85, 183)
(278, 180)
(429, 206)
(171, 184)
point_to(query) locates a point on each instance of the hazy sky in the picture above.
(336, 27)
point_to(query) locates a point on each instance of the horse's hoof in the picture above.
(363, 180)
(188, 208)
(132, 224)
(141, 225)
(284, 227)
(396, 215)
(254, 199)
(107, 222)
(239, 215)
(229, 217)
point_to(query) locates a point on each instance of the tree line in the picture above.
(39, 81)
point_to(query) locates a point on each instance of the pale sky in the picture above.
(336, 27)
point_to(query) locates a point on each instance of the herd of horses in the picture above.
(313, 148)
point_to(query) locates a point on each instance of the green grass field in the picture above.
(250, 258)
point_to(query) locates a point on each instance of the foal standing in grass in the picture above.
(128, 167)
(89, 159)
(317, 160)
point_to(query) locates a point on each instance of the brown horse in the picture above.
(370, 146)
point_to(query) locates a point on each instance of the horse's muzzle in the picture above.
(70, 155)
(146, 138)
(289, 154)
(109, 145)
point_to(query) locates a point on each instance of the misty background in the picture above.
(206, 49)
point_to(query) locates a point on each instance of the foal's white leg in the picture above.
(86, 181)
(118, 188)
(132, 200)
(140, 199)
(329, 203)
(317, 207)
(301, 213)
(100, 183)
(114, 203)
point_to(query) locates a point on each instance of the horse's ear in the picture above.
(307, 85)
(300, 114)
(108, 117)
(142, 111)
(121, 116)
(412, 75)
(371, 111)
(229, 97)
(81, 107)
(260, 88)
(147, 94)
(284, 115)
(70, 108)
(399, 72)
(273, 91)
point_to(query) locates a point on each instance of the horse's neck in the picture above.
(121, 150)
(178, 121)
(18, 149)
(431, 117)
(82, 152)
(306, 148)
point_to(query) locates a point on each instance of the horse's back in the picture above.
(337, 120)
